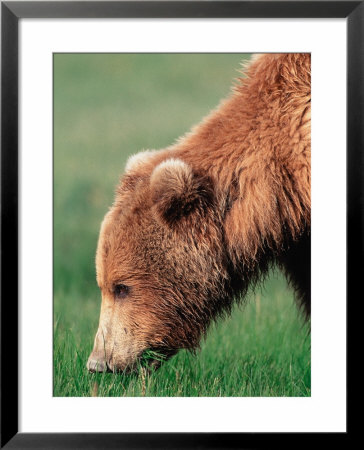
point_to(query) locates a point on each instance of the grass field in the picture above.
(107, 107)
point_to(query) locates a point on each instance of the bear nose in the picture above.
(96, 365)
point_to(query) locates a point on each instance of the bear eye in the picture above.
(121, 291)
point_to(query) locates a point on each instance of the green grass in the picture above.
(107, 107)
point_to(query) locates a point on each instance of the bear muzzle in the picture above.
(95, 366)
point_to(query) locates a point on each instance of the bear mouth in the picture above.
(150, 360)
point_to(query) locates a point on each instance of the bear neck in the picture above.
(256, 148)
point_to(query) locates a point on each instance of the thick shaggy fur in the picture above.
(194, 225)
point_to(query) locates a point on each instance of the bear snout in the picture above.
(95, 364)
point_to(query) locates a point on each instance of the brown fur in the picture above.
(196, 224)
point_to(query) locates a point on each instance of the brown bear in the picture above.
(194, 225)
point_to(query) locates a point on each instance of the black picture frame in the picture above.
(11, 12)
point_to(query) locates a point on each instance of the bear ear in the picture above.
(177, 191)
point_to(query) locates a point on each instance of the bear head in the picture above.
(161, 263)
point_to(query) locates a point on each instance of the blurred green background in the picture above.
(106, 107)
